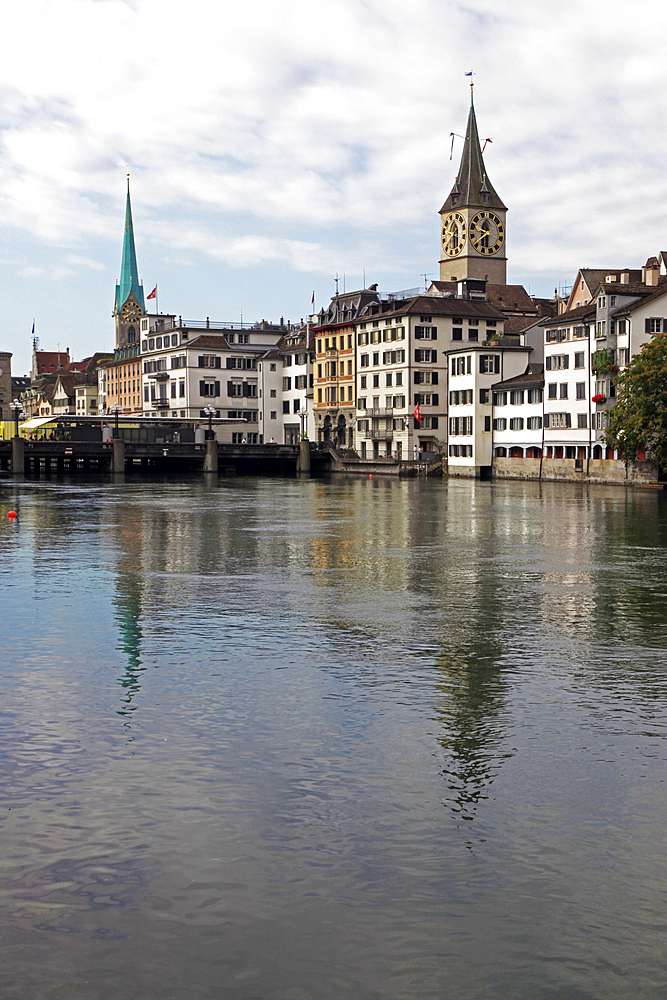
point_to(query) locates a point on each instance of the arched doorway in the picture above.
(326, 430)
(340, 432)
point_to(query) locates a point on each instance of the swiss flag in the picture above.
(418, 416)
(153, 294)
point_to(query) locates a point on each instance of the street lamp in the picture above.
(303, 413)
(17, 407)
(116, 410)
(210, 412)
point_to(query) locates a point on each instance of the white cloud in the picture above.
(316, 138)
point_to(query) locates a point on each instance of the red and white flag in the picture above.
(153, 294)
(312, 301)
(418, 416)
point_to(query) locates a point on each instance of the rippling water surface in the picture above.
(312, 740)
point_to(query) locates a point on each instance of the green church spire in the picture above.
(129, 275)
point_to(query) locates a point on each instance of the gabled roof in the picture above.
(471, 181)
(51, 361)
(532, 377)
(572, 315)
(655, 292)
(220, 342)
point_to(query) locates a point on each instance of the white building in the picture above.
(517, 421)
(297, 356)
(473, 371)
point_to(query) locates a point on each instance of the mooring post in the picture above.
(118, 455)
(18, 456)
(211, 458)
(304, 458)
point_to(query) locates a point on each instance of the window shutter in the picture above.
(647, 326)
(201, 386)
(417, 378)
(230, 388)
(434, 423)
(230, 362)
(418, 354)
(496, 364)
(217, 388)
(435, 399)
(201, 361)
(434, 378)
(566, 361)
(245, 389)
(217, 362)
(568, 420)
(418, 399)
(547, 363)
(419, 330)
(434, 332)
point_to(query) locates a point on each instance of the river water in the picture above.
(305, 740)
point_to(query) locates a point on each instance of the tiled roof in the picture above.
(580, 313)
(533, 376)
(471, 181)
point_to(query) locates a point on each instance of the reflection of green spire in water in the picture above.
(473, 697)
(128, 614)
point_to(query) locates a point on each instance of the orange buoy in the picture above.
(11, 515)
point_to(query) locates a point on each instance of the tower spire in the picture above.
(129, 274)
(472, 181)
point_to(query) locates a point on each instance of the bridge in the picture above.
(119, 455)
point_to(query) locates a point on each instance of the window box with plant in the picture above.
(599, 397)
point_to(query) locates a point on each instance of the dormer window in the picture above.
(485, 198)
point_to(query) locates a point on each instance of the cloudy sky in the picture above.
(275, 144)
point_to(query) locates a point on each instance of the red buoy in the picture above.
(11, 515)
(371, 476)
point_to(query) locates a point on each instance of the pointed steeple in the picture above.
(472, 187)
(129, 275)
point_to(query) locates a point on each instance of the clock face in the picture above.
(131, 311)
(487, 233)
(453, 234)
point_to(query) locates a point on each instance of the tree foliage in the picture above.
(639, 417)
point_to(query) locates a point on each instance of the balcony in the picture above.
(331, 352)
(160, 376)
(380, 411)
(378, 435)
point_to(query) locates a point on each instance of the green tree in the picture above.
(640, 414)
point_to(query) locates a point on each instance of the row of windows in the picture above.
(517, 423)
(388, 358)
(460, 425)
(488, 364)
(302, 357)
(395, 402)
(460, 451)
(331, 394)
(559, 390)
(296, 405)
(380, 336)
(390, 378)
(517, 396)
(620, 327)
(556, 336)
(300, 382)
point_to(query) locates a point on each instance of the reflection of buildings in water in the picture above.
(128, 600)
(362, 526)
(470, 707)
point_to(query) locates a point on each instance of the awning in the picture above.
(34, 422)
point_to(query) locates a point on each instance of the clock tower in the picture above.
(472, 233)
(129, 304)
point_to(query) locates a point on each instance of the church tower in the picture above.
(473, 219)
(129, 304)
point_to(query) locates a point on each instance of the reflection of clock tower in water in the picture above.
(129, 306)
(472, 239)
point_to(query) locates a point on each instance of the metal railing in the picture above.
(380, 411)
(378, 435)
